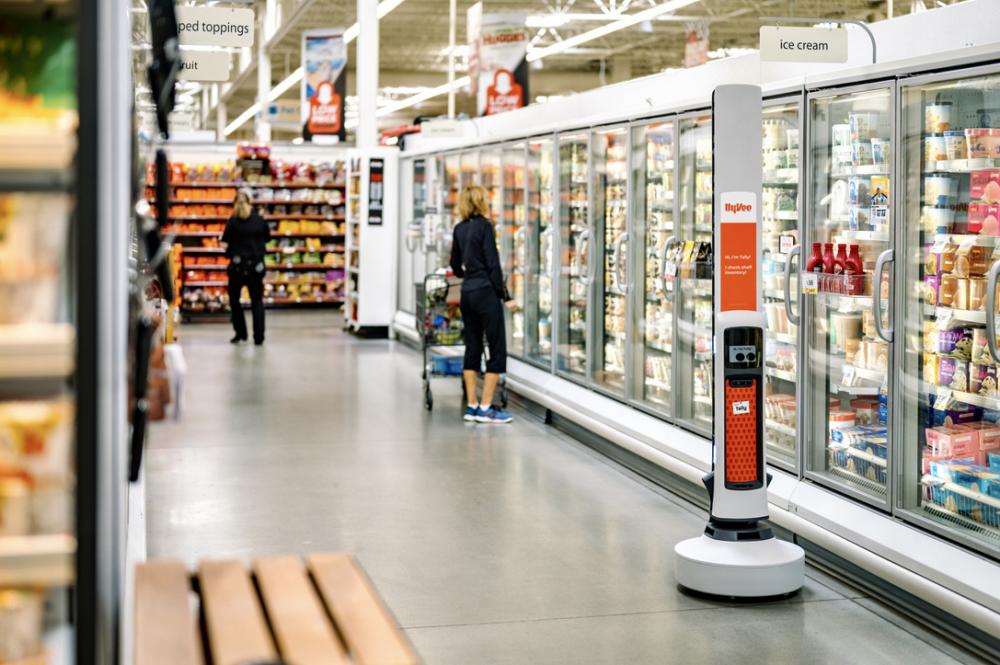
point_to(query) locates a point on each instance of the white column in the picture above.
(367, 73)
(220, 121)
(204, 106)
(263, 83)
(452, 20)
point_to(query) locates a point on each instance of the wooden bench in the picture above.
(323, 610)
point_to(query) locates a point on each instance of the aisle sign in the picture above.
(376, 191)
(503, 64)
(204, 66)
(324, 83)
(738, 241)
(215, 26)
(783, 44)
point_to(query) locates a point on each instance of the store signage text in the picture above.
(215, 26)
(204, 66)
(781, 44)
(738, 251)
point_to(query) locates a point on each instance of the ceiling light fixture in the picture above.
(286, 84)
(620, 24)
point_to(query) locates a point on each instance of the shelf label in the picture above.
(204, 66)
(787, 44)
(880, 215)
(786, 242)
(738, 251)
(810, 283)
(215, 26)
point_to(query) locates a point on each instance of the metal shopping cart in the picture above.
(440, 322)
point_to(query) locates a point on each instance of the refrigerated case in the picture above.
(948, 440)
(575, 241)
(653, 161)
(610, 194)
(848, 347)
(691, 268)
(411, 232)
(515, 227)
(452, 188)
(469, 168)
(540, 253)
(490, 177)
(780, 214)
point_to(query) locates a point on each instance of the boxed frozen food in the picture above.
(983, 380)
(955, 342)
(980, 349)
(952, 440)
(994, 460)
(975, 477)
(931, 363)
(984, 185)
(932, 290)
(989, 434)
(953, 412)
(953, 373)
(21, 623)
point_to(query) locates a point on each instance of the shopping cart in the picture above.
(440, 322)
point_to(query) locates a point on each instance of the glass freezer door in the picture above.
(410, 237)
(780, 206)
(516, 228)
(469, 167)
(653, 204)
(452, 187)
(437, 216)
(691, 266)
(574, 261)
(848, 354)
(539, 301)
(610, 155)
(949, 442)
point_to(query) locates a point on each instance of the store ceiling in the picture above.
(414, 40)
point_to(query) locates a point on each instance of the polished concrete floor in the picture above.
(491, 544)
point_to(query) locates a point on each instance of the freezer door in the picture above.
(417, 237)
(848, 352)
(492, 181)
(407, 239)
(653, 169)
(780, 208)
(948, 448)
(469, 168)
(515, 227)
(575, 264)
(690, 265)
(610, 184)
(538, 319)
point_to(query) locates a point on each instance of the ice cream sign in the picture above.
(785, 44)
(739, 254)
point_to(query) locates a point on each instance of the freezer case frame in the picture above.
(534, 258)
(813, 469)
(899, 401)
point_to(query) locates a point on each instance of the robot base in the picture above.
(744, 569)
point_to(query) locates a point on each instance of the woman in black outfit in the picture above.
(246, 237)
(474, 257)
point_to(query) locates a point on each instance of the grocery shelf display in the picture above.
(575, 254)
(781, 203)
(541, 253)
(515, 227)
(303, 202)
(948, 438)
(610, 186)
(692, 267)
(653, 167)
(848, 352)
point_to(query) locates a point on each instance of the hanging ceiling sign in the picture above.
(324, 84)
(204, 66)
(783, 44)
(215, 26)
(502, 65)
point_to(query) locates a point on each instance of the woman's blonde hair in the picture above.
(241, 205)
(473, 202)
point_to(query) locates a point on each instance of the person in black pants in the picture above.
(246, 237)
(474, 257)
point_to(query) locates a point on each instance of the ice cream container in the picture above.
(983, 218)
(949, 290)
(861, 153)
(939, 190)
(865, 410)
(858, 191)
(952, 440)
(932, 290)
(980, 351)
(935, 149)
(15, 506)
(953, 373)
(956, 342)
(989, 433)
(841, 134)
(792, 158)
(994, 461)
(774, 159)
(961, 300)
(792, 138)
(864, 125)
(955, 145)
(880, 152)
(858, 217)
(937, 117)
(983, 143)
(931, 363)
(774, 135)
(939, 219)
(841, 419)
(789, 412)
(977, 294)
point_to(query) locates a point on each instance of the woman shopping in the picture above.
(474, 257)
(246, 237)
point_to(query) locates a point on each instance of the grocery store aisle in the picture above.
(503, 544)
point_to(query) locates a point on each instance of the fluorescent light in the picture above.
(620, 24)
(559, 19)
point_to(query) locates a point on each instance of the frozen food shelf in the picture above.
(858, 391)
(37, 561)
(35, 180)
(845, 303)
(781, 428)
(862, 236)
(658, 385)
(702, 399)
(853, 171)
(782, 374)
(872, 486)
(986, 402)
(36, 351)
(966, 238)
(662, 348)
(968, 315)
(966, 523)
(867, 374)
(784, 215)
(788, 175)
(962, 165)
(784, 338)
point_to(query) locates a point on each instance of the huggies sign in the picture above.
(739, 254)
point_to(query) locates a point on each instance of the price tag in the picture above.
(670, 270)
(810, 283)
(848, 375)
(880, 214)
(786, 242)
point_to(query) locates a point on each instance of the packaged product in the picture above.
(983, 218)
(994, 460)
(865, 410)
(980, 350)
(989, 434)
(953, 373)
(975, 477)
(952, 412)
(932, 290)
(956, 342)
(972, 260)
(841, 419)
(977, 293)
(928, 458)
(952, 440)
(15, 505)
(876, 445)
(21, 622)
(984, 185)
(937, 117)
(936, 148)
(961, 297)
(931, 363)
(983, 380)
(955, 144)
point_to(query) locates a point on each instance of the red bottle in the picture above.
(853, 265)
(815, 262)
(828, 257)
(840, 262)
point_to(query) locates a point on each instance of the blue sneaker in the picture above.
(472, 413)
(494, 416)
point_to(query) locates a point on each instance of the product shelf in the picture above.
(36, 180)
(37, 561)
(36, 351)
(784, 375)
(300, 266)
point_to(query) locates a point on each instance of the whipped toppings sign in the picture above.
(215, 26)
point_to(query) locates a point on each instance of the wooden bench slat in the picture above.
(166, 630)
(367, 626)
(236, 627)
(301, 625)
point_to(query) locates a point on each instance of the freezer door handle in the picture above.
(619, 274)
(886, 333)
(413, 233)
(663, 263)
(991, 310)
(795, 251)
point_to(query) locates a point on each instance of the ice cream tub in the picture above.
(932, 290)
(841, 134)
(880, 152)
(939, 190)
(858, 191)
(954, 145)
(935, 149)
(939, 219)
(841, 419)
(937, 117)
(983, 218)
(982, 143)
(861, 153)
(864, 125)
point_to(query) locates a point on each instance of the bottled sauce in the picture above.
(853, 265)
(815, 262)
(840, 261)
(828, 258)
